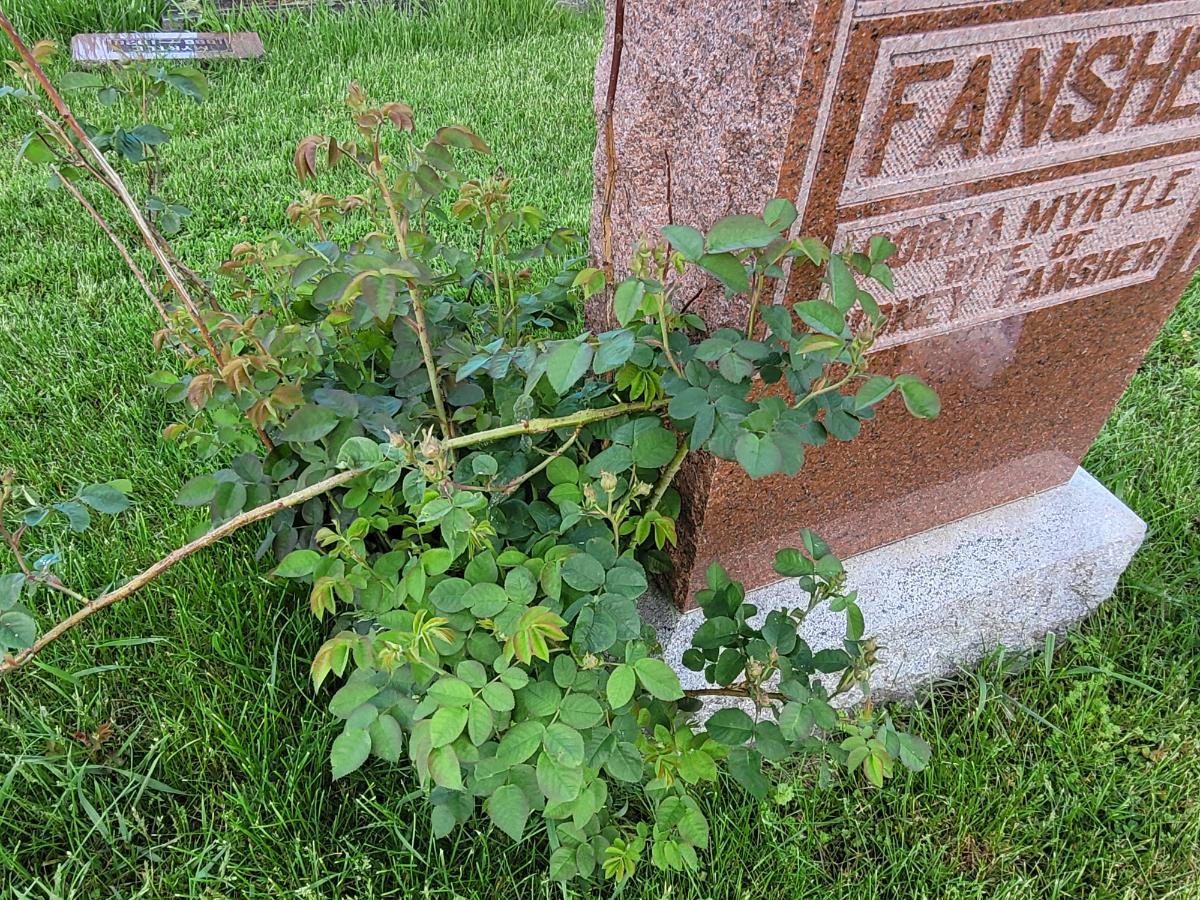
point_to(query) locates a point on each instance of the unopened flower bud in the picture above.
(608, 482)
(589, 661)
(431, 447)
(870, 651)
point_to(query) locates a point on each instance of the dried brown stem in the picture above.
(121, 248)
(100, 169)
(732, 691)
(113, 179)
(77, 158)
(135, 584)
(610, 151)
(187, 271)
(11, 539)
(418, 308)
(670, 198)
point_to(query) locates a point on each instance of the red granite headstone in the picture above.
(1036, 163)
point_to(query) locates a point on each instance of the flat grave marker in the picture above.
(97, 49)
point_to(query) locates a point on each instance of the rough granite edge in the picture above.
(942, 599)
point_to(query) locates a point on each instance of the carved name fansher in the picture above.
(955, 106)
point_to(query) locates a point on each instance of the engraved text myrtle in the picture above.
(1028, 251)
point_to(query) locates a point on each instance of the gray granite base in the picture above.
(942, 599)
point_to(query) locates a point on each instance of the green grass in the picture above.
(448, 23)
(1075, 779)
(60, 19)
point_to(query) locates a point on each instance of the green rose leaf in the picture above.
(627, 300)
(821, 316)
(11, 586)
(479, 721)
(562, 470)
(520, 586)
(580, 711)
(920, 399)
(520, 742)
(359, 453)
(914, 752)
(688, 403)
(485, 600)
(653, 447)
(508, 809)
(309, 423)
(563, 744)
(687, 240)
(562, 865)
(658, 678)
(621, 684)
(447, 724)
(498, 696)
(77, 515)
(583, 572)
(780, 213)
(450, 595)
(745, 766)
(18, 629)
(350, 750)
(567, 363)
(730, 726)
(616, 347)
(387, 738)
(759, 456)
(350, 696)
(740, 233)
(443, 766)
(843, 287)
(626, 581)
(451, 691)
(437, 560)
(298, 564)
(729, 666)
(726, 268)
(104, 498)
(880, 248)
(559, 783)
(873, 391)
(625, 763)
(198, 491)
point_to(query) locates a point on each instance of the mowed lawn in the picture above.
(1070, 774)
